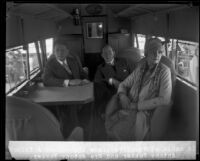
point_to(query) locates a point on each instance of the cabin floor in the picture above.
(93, 124)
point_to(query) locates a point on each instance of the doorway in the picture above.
(95, 37)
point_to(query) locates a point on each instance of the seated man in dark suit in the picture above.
(109, 75)
(63, 70)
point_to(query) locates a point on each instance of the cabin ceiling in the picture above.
(57, 12)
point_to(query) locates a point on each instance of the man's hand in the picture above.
(86, 70)
(115, 82)
(75, 82)
(124, 100)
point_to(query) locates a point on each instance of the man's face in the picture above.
(108, 54)
(61, 52)
(155, 52)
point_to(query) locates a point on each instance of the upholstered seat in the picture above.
(132, 55)
(162, 115)
(29, 121)
(165, 60)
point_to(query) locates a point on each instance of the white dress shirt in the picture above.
(110, 80)
(66, 81)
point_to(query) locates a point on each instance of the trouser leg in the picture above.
(84, 115)
(102, 95)
(68, 119)
(112, 106)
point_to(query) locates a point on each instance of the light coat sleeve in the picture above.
(164, 96)
(125, 86)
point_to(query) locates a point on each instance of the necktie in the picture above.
(66, 67)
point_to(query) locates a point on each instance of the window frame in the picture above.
(41, 57)
(37, 68)
(29, 75)
(177, 41)
(38, 55)
(44, 46)
(20, 83)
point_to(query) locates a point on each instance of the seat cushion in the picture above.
(26, 120)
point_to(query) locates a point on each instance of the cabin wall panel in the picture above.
(119, 42)
(38, 29)
(94, 46)
(85, 13)
(28, 30)
(13, 32)
(185, 108)
(183, 24)
(150, 24)
(115, 24)
(67, 27)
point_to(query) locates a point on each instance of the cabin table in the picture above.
(72, 95)
(62, 95)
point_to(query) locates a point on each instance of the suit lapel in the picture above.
(72, 67)
(108, 71)
(58, 66)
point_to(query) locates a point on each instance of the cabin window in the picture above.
(185, 55)
(135, 41)
(141, 43)
(16, 67)
(33, 59)
(49, 46)
(95, 30)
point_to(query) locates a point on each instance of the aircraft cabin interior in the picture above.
(32, 29)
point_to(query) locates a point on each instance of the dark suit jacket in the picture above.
(119, 71)
(102, 90)
(55, 73)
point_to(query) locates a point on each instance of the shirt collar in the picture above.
(61, 62)
(111, 62)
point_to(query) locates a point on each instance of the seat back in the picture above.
(132, 55)
(29, 121)
(165, 60)
(162, 115)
